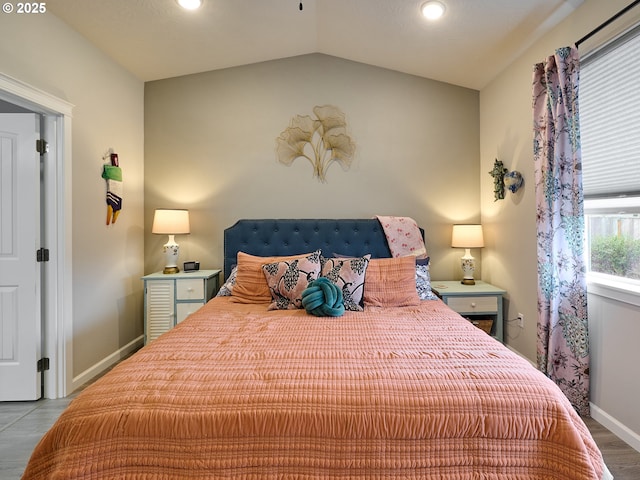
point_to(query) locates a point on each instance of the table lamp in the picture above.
(467, 237)
(170, 222)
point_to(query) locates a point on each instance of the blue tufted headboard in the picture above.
(267, 237)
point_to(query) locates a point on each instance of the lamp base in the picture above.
(468, 264)
(171, 251)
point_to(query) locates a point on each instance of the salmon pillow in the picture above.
(251, 286)
(391, 282)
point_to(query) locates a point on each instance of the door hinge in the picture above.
(42, 255)
(43, 364)
(42, 146)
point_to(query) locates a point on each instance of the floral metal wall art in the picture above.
(321, 140)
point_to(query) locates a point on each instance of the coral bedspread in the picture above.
(238, 392)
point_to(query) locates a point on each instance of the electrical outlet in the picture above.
(521, 320)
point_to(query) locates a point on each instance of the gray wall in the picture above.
(210, 147)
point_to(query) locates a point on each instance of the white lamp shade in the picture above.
(170, 222)
(467, 236)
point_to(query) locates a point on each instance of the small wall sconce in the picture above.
(504, 178)
(171, 222)
(513, 181)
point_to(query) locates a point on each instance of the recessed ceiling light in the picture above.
(433, 10)
(190, 4)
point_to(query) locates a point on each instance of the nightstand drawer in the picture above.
(473, 304)
(183, 310)
(190, 289)
(481, 302)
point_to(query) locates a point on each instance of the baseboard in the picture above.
(520, 355)
(107, 362)
(620, 430)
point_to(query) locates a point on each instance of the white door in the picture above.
(20, 326)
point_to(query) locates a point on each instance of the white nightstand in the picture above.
(481, 300)
(170, 298)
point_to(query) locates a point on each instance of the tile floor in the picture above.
(22, 424)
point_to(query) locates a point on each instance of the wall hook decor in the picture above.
(498, 174)
(112, 173)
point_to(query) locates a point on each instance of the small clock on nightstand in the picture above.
(474, 302)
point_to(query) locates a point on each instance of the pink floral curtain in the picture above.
(563, 341)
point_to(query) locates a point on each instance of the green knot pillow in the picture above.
(323, 298)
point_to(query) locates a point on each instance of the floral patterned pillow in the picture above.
(423, 280)
(227, 289)
(287, 280)
(348, 274)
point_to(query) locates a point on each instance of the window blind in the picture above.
(609, 105)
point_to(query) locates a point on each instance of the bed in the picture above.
(392, 391)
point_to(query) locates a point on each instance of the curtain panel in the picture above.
(563, 342)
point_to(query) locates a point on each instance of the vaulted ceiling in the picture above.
(468, 46)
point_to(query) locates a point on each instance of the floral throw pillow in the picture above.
(348, 274)
(227, 289)
(287, 280)
(423, 280)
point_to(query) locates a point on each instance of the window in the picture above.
(610, 140)
(613, 237)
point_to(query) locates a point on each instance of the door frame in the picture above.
(57, 284)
